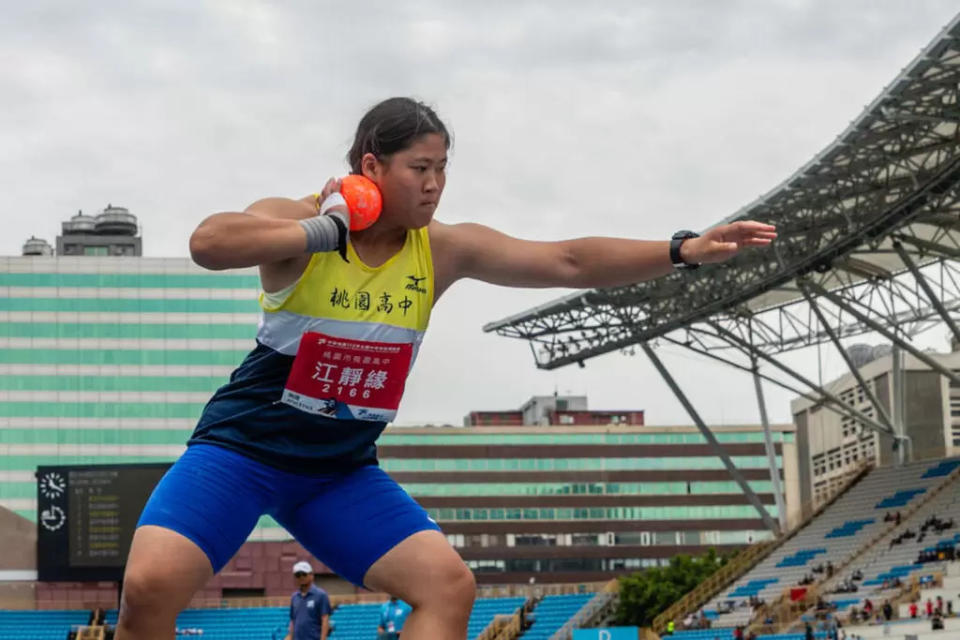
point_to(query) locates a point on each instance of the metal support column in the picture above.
(896, 383)
(899, 401)
(854, 369)
(768, 445)
(863, 419)
(927, 289)
(839, 409)
(752, 497)
(886, 333)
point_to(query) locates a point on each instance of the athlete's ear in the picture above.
(372, 167)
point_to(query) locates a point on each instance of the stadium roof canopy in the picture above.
(860, 220)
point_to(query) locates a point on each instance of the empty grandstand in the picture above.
(822, 551)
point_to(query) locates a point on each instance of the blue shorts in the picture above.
(347, 520)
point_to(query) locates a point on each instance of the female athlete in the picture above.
(292, 433)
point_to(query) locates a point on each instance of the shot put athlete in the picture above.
(292, 433)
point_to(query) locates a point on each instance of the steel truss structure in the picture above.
(868, 235)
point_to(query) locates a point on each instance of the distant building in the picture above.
(111, 358)
(584, 503)
(831, 446)
(112, 232)
(37, 247)
(554, 410)
(493, 419)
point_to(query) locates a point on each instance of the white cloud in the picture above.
(623, 118)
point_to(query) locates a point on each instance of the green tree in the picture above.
(646, 594)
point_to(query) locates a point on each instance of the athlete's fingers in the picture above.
(760, 234)
(743, 229)
(753, 225)
(331, 186)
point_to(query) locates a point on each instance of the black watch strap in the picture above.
(675, 241)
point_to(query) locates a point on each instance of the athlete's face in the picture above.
(411, 180)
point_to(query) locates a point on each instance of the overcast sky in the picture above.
(570, 119)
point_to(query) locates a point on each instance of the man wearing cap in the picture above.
(309, 607)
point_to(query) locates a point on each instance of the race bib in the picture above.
(348, 379)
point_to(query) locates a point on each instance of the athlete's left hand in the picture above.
(723, 242)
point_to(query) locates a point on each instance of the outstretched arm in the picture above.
(476, 251)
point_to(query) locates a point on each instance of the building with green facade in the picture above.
(576, 503)
(110, 359)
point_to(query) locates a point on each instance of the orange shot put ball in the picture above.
(363, 200)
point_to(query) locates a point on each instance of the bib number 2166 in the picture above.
(344, 378)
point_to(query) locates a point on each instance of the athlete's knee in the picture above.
(464, 590)
(148, 596)
(454, 588)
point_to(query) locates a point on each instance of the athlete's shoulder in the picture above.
(453, 247)
(283, 207)
(456, 230)
(457, 237)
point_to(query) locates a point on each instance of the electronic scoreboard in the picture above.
(86, 516)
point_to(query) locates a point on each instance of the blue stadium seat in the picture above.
(551, 612)
(899, 571)
(260, 623)
(801, 557)
(846, 603)
(40, 625)
(752, 588)
(348, 621)
(899, 499)
(849, 528)
(944, 468)
(485, 609)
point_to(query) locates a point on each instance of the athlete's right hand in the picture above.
(333, 187)
(330, 230)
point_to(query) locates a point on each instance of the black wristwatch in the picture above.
(675, 241)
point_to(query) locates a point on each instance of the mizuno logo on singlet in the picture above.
(414, 284)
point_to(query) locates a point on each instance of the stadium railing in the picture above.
(598, 610)
(98, 632)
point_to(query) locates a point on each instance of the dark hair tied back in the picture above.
(391, 126)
